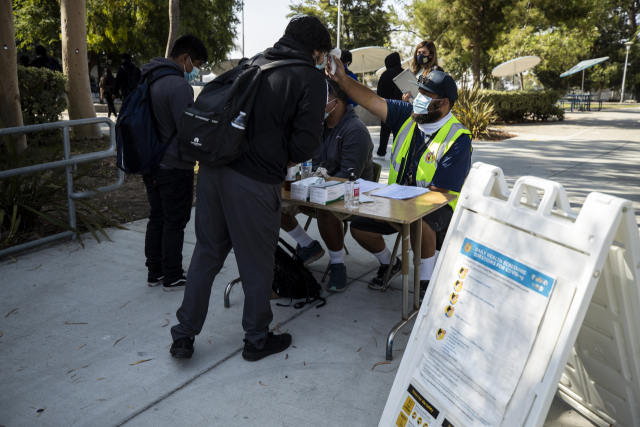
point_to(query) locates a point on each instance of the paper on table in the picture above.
(400, 192)
(369, 185)
(366, 199)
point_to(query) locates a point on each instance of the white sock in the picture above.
(426, 267)
(384, 257)
(336, 257)
(301, 236)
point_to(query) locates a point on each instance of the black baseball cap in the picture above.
(440, 83)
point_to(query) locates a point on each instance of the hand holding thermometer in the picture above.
(332, 54)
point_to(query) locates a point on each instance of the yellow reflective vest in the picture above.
(436, 150)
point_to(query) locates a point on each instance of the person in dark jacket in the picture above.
(170, 185)
(127, 78)
(346, 148)
(238, 205)
(45, 61)
(106, 88)
(388, 89)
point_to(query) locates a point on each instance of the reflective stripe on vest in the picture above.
(428, 164)
(405, 134)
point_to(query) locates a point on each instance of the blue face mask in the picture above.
(421, 104)
(423, 59)
(324, 63)
(193, 74)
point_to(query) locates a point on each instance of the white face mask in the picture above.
(327, 114)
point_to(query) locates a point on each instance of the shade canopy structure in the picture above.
(515, 66)
(368, 59)
(405, 64)
(583, 65)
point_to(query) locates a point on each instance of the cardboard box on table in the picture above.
(593, 261)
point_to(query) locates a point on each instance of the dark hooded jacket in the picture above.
(123, 81)
(386, 86)
(170, 95)
(348, 145)
(292, 98)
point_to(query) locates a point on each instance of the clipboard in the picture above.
(404, 80)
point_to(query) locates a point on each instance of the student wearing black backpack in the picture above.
(170, 185)
(128, 77)
(238, 205)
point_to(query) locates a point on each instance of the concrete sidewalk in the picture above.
(85, 339)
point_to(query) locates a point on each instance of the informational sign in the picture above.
(508, 296)
(481, 336)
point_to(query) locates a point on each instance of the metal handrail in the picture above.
(69, 164)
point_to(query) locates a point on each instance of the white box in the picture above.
(300, 189)
(327, 193)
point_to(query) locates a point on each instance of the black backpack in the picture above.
(291, 279)
(139, 148)
(212, 130)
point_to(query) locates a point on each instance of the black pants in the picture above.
(170, 194)
(110, 106)
(232, 210)
(385, 131)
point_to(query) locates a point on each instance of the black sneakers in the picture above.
(377, 282)
(182, 347)
(154, 281)
(176, 285)
(424, 284)
(275, 344)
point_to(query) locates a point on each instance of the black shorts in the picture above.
(438, 221)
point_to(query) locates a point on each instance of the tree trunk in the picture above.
(10, 110)
(75, 64)
(174, 24)
(632, 10)
(477, 51)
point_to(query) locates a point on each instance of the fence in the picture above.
(70, 164)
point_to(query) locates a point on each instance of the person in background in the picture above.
(346, 148)
(388, 89)
(425, 60)
(432, 150)
(127, 78)
(346, 57)
(45, 61)
(238, 205)
(24, 60)
(106, 88)
(170, 185)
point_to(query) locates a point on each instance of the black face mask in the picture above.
(423, 59)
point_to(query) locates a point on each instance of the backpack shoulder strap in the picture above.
(284, 62)
(159, 74)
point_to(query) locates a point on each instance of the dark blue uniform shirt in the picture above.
(454, 166)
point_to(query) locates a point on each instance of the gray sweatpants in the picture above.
(232, 210)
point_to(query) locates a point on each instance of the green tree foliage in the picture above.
(480, 34)
(139, 27)
(364, 22)
(37, 22)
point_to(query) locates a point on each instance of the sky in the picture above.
(265, 22)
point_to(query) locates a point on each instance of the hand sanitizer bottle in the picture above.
(353, 191)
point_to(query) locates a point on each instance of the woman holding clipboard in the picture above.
(425, 60)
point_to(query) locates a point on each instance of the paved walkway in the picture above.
(85, 339)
